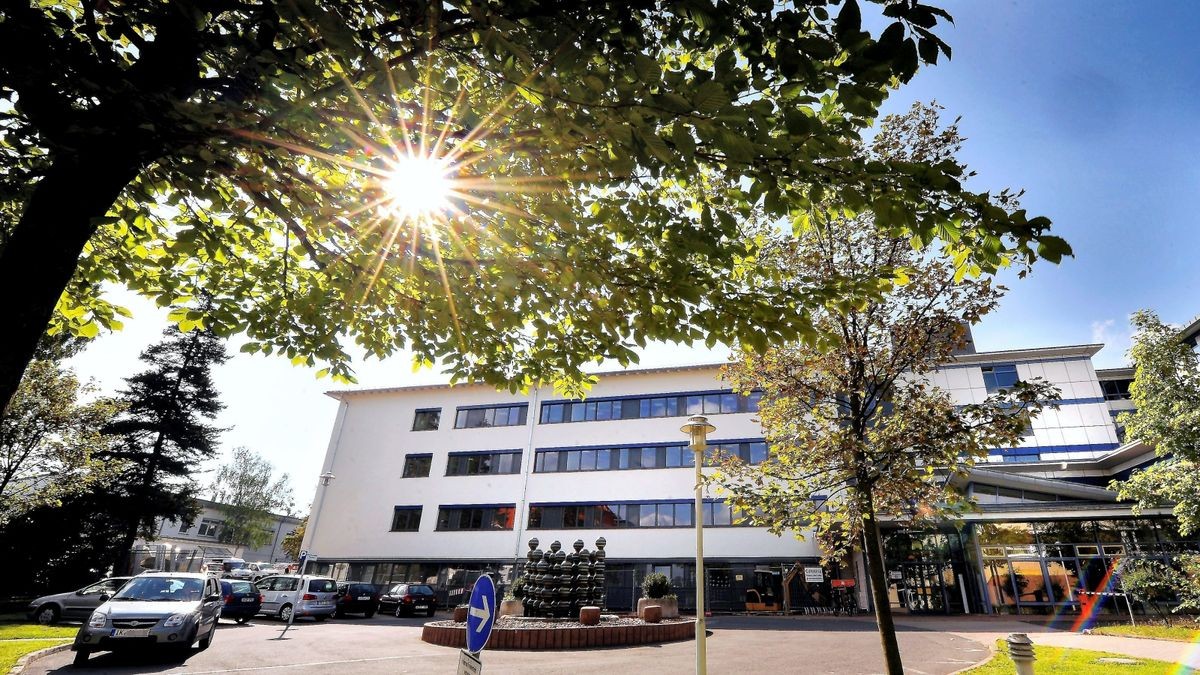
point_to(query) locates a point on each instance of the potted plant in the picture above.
(512, 605)
(656, 590)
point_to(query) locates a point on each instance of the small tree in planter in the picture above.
(656, 589)
(514, 596)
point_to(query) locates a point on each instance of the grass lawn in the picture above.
(1061, 661)
(19, 639)
(10, 631)
(1183, 633)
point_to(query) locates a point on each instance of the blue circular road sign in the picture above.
(481, 614)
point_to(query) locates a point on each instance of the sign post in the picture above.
(481, 616)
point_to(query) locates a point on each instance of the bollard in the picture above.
(589, 616)
(652, 614)
(1020, 650)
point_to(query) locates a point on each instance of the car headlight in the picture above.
(98, 620)
(175, 620)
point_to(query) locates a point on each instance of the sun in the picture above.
(418, 187)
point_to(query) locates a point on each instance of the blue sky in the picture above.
(1092, 107)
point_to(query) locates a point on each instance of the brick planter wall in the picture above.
(564, 638)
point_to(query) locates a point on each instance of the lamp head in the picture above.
(697, 430)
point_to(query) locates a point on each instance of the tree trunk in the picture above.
(41, 255)
(883, 608)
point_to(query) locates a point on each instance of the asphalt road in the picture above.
(390, 645)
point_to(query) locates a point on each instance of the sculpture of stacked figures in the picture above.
(558, 583)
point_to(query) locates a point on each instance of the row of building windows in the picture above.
(641, 514)
(483, 463)
(631, 408)
(491, 416)
(465, 463)
(600, 409)
(568, 516)
(663, 456)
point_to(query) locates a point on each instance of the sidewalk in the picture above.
(987, 629)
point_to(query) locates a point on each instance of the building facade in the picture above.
(187, 544)
(440, 484)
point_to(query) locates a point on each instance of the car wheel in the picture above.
(81, 657)
(398, 613)
(47, 614)
(369, 613)
(285, 613)
(430, 612)
(208, 638)
(241, 620)
(339, 614)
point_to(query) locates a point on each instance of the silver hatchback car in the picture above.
(171, 609)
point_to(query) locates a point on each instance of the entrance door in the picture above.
(923, 587)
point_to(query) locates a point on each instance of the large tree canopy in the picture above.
(604, 155)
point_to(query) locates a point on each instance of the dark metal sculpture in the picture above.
(558, 583)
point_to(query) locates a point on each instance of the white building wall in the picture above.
(375, 433)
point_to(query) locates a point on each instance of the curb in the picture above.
(993, 652)
(25, 660)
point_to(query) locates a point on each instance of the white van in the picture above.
(306, 595)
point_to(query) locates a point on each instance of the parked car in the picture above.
(214, 569)
(231, 565)
(171, 609)
(241, 600)
(354, 598)
(74, 605)
(306, 595)
(253, 571)
(409, 600)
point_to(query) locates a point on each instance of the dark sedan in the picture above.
(409, 600)
(241, 600)
(357, 599)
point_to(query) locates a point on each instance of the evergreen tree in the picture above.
(167, 432)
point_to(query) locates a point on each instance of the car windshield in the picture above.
(420, 590)
(167, 589)
(243, 587)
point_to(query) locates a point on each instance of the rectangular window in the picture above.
(492, 416)
(417, 466)
(209, 528)
(483, 463)
(406, 519)
(1116, 390)
(495, 517)
(427, 419)
(999, 377)
(661, 456)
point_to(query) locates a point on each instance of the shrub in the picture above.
(516, 590)
(656, 586)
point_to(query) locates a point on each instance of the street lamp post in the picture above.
(697, 430)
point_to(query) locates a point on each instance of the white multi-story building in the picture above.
(188, 544)
(440, 484)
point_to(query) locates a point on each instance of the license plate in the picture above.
(364, 597)
(131, 632)
(422, 606)
(247, 599)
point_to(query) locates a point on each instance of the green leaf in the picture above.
(710, 97)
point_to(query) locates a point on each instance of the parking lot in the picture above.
(385, 644)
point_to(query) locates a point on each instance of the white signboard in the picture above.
(895, 574)
(814, 575)
(468, 663)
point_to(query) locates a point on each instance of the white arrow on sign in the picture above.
(482, 614)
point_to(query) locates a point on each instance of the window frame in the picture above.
(408, 511)
(485, 416)
(417, 456)
(437, 419)
(471, 463)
